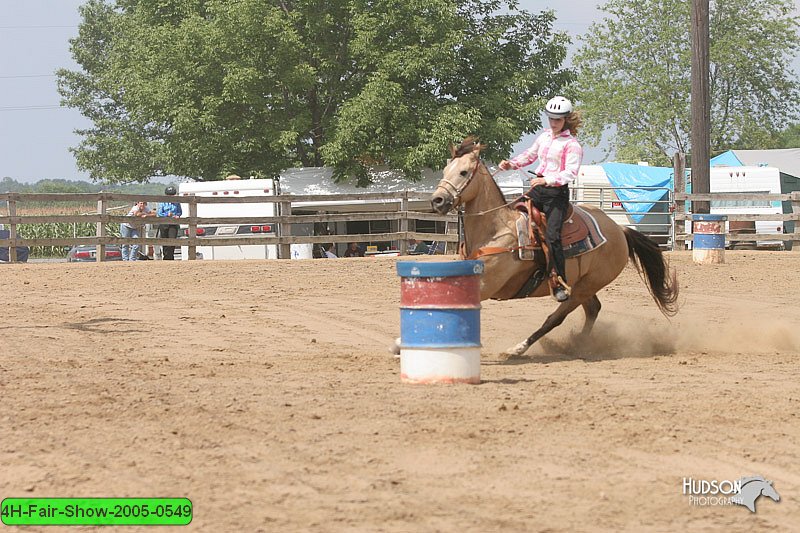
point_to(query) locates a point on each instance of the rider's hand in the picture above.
(504, 165)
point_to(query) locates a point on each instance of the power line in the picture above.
(31, 107)
(15, 76)
(34, 27)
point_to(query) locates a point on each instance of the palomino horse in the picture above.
(490, 224)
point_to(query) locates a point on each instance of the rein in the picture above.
(481, 213)
(486, 250)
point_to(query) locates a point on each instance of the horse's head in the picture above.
(457, 175)
(768, 490)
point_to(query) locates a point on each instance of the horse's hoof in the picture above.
(519, 349)
(394, 349)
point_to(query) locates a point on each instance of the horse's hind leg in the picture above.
(592, 308)
(554, 320)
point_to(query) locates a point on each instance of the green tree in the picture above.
(790, 137)
(204, 88)
(634, 75)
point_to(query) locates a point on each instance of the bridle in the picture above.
(456, 191)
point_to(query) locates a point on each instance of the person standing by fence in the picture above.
(169, 231)
(130, 252)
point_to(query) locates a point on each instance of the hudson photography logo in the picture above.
(713, 492)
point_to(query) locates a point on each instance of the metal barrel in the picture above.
(440, 332)
(708, 238)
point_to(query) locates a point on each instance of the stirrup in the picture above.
(560, 294)
(558, 285)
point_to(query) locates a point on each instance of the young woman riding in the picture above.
(559, 154)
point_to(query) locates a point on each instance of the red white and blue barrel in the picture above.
(708, 238)
(440, 321)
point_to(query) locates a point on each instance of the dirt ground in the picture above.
(263, 392)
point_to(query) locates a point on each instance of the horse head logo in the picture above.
(752, 488)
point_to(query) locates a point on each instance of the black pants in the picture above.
(553, 202)
(168, 231)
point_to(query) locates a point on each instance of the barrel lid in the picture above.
(438, 269)
(710, 218)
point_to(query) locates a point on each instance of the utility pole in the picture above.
(701, 106)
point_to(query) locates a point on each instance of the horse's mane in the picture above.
(467, 146)
(746, 480)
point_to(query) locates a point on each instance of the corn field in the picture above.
(58, 230)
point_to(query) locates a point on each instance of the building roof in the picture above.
(319, 180)
(787, 160)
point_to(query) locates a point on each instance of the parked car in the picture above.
(88, 252)
(22, 251)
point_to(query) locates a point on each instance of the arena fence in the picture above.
(402, 207)
(377, 206)
(737, 231)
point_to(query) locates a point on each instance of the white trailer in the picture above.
(754, 180)
(238, 188)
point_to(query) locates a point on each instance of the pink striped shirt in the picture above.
(559, 157)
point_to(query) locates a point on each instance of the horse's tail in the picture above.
(662, 283)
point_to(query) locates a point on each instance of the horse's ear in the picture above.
(479, 147)
(452, 150)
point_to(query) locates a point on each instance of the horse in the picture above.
(490, 226)
(751, 489)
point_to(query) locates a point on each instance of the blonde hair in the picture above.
(573, 122)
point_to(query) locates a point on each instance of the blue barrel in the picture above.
(440, 334)
(708, 238)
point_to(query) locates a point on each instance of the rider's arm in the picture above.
(528, 156)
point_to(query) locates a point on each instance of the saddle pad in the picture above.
(580, 234)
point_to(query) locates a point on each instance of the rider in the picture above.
(559, 154)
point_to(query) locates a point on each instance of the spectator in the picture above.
(353, 250)
(416, 247)
(169, 231)
(330, 252)
(130, 252)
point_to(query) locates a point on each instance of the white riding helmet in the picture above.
(558, 107)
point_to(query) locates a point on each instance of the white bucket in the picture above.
(301, 251)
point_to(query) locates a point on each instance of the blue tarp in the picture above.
(635, 177)
(726, 159)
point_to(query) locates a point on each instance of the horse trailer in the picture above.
(750, 180)
(232, 188)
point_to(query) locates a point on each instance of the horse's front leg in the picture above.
(592, 308)
(554, 320)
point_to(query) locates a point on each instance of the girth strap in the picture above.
(489, 250)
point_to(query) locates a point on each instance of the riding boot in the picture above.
(560, 290)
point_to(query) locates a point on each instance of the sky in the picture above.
(36, 132)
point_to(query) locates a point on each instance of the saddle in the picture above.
(579, 234)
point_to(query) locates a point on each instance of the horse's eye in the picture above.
(464, 173)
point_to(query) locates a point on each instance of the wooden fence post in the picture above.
(796, 212)
(12, 230)
(100, 229)
(679, 183)
(192, 227)
(404, 223)
(284, 229)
